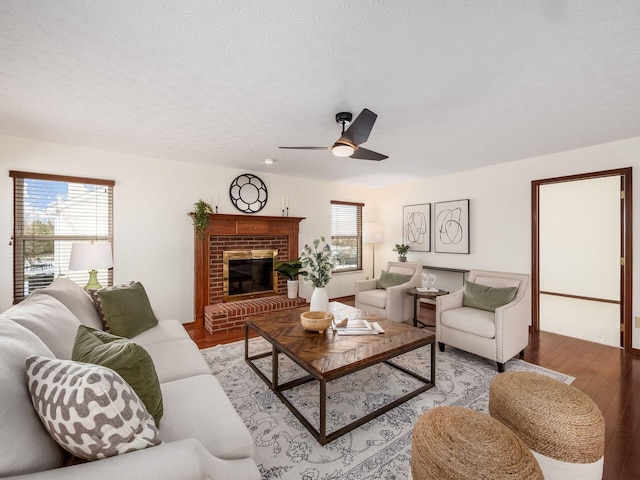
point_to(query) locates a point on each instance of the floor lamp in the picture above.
(373, 233)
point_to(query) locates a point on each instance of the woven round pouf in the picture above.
(561, 425)
(458, 443)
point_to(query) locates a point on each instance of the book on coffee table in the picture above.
(359, 327)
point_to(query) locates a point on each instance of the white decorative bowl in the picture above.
(316, 321)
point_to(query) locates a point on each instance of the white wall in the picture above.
(153, 233)
(154, 237)
(580, 238)
(500, 207)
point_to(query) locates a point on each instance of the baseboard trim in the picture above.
(579, 297)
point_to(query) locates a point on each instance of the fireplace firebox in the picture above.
(248, 274)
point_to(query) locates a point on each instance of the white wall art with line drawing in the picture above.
(416, 227)
(452, 226)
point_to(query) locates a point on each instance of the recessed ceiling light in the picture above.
(269, 160)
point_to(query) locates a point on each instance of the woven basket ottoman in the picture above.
(561, 425)
(458, 443)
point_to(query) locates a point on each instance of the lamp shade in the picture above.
(373, 232)
(90, 256)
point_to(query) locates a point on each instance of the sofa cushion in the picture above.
(388, 279)
(49, 319)
(165, 331)
(376, 298)
(98, 304)
(480, 296)
(88, 409)
(198, 407)
(126, 309)
(128, 359)
(471, 320)
(26, 445)
(177, 359)
(75, 299)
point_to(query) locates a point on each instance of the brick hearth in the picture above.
(223, 317)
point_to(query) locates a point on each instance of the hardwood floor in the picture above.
(606, 374)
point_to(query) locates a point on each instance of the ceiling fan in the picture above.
(348, 145)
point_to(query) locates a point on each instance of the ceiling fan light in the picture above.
(342, 150)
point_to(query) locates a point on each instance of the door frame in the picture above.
(626, 247)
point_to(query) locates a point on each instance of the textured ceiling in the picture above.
(456, 84)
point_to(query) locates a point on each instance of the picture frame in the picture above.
(416, 227)
(451, 228)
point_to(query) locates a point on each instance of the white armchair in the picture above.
(497, 336)
(392, 303)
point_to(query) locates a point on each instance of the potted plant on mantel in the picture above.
(402, 250)
(290, 270)
(201, 211)
(317, 261)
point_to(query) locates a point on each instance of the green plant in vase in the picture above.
(290, 270)
(319, 265)
(402, 250)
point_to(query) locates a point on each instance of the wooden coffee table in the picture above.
(328, 356)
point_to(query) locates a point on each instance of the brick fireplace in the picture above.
(240, 232)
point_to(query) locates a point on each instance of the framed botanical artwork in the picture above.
(451, 226)
(416, 227)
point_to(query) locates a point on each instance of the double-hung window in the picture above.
(346, 235)
(50, 213)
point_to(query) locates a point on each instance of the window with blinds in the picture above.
(346, 235)
(50, 213)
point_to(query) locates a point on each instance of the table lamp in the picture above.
(91, 257)
(373, 232)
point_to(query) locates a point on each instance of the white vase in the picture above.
(319, 300)
(292, 288)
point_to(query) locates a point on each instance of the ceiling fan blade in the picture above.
(358, 131)
(306, 148)
(364, 154)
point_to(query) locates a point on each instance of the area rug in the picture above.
(380, 449)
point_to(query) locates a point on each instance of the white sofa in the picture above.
(202, 435)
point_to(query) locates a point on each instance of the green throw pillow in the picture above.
(387, 279)
(127, 310)
(487, 298)
(128, 359)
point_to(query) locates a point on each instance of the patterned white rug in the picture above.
(378, 449)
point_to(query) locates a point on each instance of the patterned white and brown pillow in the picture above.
(88, 409)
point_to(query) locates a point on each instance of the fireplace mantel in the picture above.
(235, 226)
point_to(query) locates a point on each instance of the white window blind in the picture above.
(346, 235)
(50, 213)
